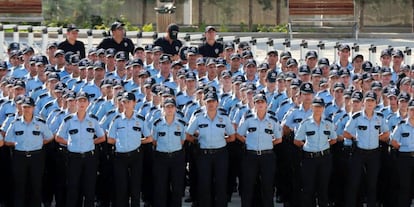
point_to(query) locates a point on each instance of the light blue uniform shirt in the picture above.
(366, 131)
(404, 135)
(57, 120)
(93, 90)
(128, 132)
(340, 126)
(316, 136)
(80, 134)
(260, 133)
(107, 119)
(211, 132)
(278, 98)
(295, 116)
(325, 95)
(169, 137)
(28, 136)
(8, 107)
(19, 72)
(32, 83)
(393, 119)
(284, 107)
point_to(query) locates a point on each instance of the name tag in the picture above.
(36, 133)
(362, 127)
(310, 133)
(90, 130)
(220, 125)
(19, 132)
(252, 129)
(203, 125)
(73, 131)
(161, 134)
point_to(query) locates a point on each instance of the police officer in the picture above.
(170, 43)
(28, 134)
(125, 133)
(259, 131)
(118, 41)
(367, 128)
(315, 135)
(169, 160)
(402, 138)
(214, 130)
(71, 43)
(78, 132)
(211, 48)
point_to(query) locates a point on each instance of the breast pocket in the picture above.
(36, 133)
(161, 134)
(362, 128)
(405, 138)
(201, 126)
(90, 130)
(377, 127)
(252, 129)
(178, 134)
(310, 133)
(327, 133)
(19, 133)
(268, 131)
(297, 121)
(137, 129)
(220, 125)
(73, 131)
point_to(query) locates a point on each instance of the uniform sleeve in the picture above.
(47, 133)
(155, 132)
(395, 135)
(288, 120)
(350, 126)
(333, 134)
(229, 127)
(112, 129)
(183, 132)
(192, 126)
(277, 130)
(384, 126)
(10, 134)
(242, 128)
(63, 130)
(146, 131)
(300, 133)
(99, 132)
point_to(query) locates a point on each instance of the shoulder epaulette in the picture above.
(116, 117)
(2, 101)
(356, 115)
(277, 96)
(222, 110)
(284, 102)
(402, 121)
(153, 108)
(43, 95)
(345, 115)
(273, 118)
(182, 122)
(145, 104)
(110, 112)
(223, 113)
(67, 118)
(157, 121)
(224, 95)
(328, 119)
(79, 81)
(139, 116)
(248, 116)
(135, 90)
(93, 116)
(10, 114)
(380, 114)
(180, 113)
(180, 93)
(48, 105)
(389, 116)
(328, 104)
(383, 109)
(188, 103)
(271, 113)
(40, 119)
(99, 100)
(197, 111)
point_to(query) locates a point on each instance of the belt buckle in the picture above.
(259, 152)
(27, 153)
(311, 154)
(322, 153)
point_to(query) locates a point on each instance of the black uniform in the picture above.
(125, 45)
(77, 48)
(214, 50)
(168, 48)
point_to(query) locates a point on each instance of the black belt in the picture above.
(260, 152)
(27, 153)
(82, 154)
(61, 148)
(316, 154)
(128, 154)
(406, 154)
(367, 151)
(169, 154)
(212, 151)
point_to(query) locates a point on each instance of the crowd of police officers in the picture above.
(120, 124)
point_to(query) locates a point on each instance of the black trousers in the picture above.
(148, 182)
(128, 173)
(81, 177)
(212, 167)
(316, 173)
(6, 171)
(61, 163)
(49, 174)
(28, 170)
(360, 160)
(169, 172)
(405, 165)
(258, 167)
